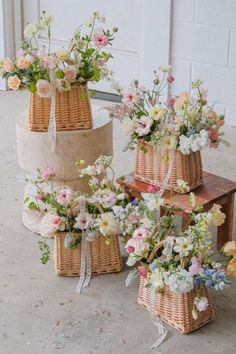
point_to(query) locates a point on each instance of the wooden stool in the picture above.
(215, 190)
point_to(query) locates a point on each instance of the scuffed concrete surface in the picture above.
(40, 312)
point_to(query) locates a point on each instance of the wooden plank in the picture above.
(225, 231)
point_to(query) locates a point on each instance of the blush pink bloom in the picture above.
(65, 196)
(44, 88)
(22, 63)
(49, 172)
(42, 52)
(153, 189)
(132, 218)
(56, 221)
(170, 102)
(8, 65)
(170, 79)
(130, 249)
(13, 82)
(143, 125)
(50, 62)
(143, 271)
(39, 196)
(20, 53)
(70, 73)
(100, 39)
(195, 268)
(202, 304)
(83, 220)
(130, 97)
(140, 233)
(214, 135)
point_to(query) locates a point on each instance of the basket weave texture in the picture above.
(104, 258)
(72, 110)
(176, 309)
(152, 166)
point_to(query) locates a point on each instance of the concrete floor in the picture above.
(40, 312)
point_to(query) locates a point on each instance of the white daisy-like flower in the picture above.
(183, 246)
(107, 224)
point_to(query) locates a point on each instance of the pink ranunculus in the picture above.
(143, 271)
(170, 79)
(65, 196)
(153, 189)
(140, 233)
(8, 65)
(202, 304)
(49, 172)
(22, 63)
(170, 102)
(100, 39)
(70, 73)
(214, 135)
(195, 268)
(130, 249)
(13, 82)
(44, 88)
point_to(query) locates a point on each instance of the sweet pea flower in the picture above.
(44, 89)
(100, 39)
(170, 79)
(143, 271)
(153, 188)
(42, 51)
(201, 303)
(70, 73)
(143, 125)
(130, 249)
(59, 222)
(8, 65)
(13, 82)
(23, 63)
(65, 196)
(170, 102)
(140, 233)
(49, 172)
(195, 268)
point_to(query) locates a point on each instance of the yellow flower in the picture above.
(217, 217)
(231, 268)
(156, 112)
(229, 249)
(62, 55)
(168, 142)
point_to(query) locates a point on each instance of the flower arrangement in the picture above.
(177, 260)
(79, 215)
(38, 69)
(184, 122)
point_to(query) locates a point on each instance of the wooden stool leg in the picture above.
(185, 220)
(225, 231)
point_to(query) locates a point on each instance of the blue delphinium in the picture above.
(214, 278)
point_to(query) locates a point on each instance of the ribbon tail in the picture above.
(88, 265)
(131, 276)
(157, 321)
(160, 340)
(80, 284)
(52, 131)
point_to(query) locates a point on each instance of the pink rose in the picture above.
(49, 172)
(13, 82)
(201, 303)
(70, 73)
(8, 65)
(143, 271)
(44, 88)
(153, 189)
(213, 135)
(170, 79)
(130, 249)
(22, 63)
(195, 268)
(100, 39)
(170, 102)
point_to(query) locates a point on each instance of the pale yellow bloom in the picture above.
(217, 217)
(229, 249)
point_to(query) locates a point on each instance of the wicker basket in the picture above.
(72, 110)
(152, 168)
(175, 309)
(105, 258)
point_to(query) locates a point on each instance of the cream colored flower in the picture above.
(23, 63)
(30, 30)
(182, 100)
(107, 224)
(44, 88)
(62, 55)
(217, 217)
(229, 249)
(13, 82)
(183, 246)
(8, 65)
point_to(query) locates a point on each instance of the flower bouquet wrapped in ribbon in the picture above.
(177, 268)
(85, 227)
(57, 80)
(169, 135)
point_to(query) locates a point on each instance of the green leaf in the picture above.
(32, 206)
(45, 252)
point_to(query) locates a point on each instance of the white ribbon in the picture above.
(165, 181)
(157, 321)
(131, 276)
(52, 131)
(85, 265)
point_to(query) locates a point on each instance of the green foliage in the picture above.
(45, 252)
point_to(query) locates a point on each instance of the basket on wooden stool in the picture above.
(152, 166)
(176, 309)
(104, 258)
(72, 110)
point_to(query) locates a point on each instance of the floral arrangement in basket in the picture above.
(38, 68)
(174, 261)
(78, 215)
(184, 122)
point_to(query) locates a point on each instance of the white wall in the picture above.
(2, 52)
(203, 45)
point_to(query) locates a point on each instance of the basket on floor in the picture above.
(176, 309)
(104, 258)
(72, 110)
(152, 166)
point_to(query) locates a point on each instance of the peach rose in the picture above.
(231, 268)
(70, 73)
(13, 82)
(44, 88)
(22, 63)
(229, 249)
(181, 100)
(8, 65)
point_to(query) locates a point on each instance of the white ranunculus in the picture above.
(30, 30)
(128, 126)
